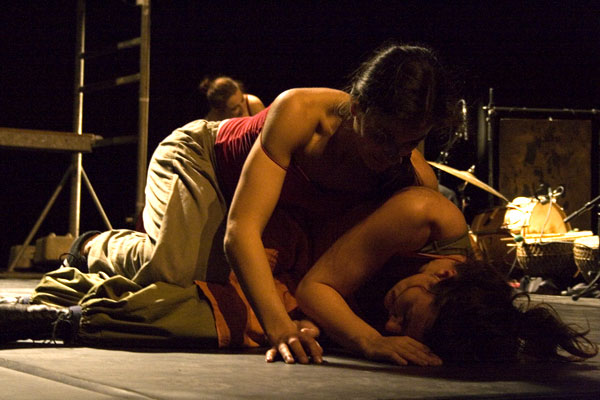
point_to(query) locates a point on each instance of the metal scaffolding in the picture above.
(77, 142)
(143, 77)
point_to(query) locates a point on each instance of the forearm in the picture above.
(328, 308)
(249, 261)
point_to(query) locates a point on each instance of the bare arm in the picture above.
(424, 170)
(403, 224)
(292, 120)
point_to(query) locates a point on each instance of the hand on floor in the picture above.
(301, 344)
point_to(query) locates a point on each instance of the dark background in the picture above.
(533, 54)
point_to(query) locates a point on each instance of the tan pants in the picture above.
(184, 217)
(118, 312)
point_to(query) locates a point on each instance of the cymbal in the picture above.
(469, 178)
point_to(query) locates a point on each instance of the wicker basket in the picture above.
(547, 259)
(585, 254)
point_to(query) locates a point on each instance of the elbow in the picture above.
(240, 242)
(303, 296)
(308, 295)
(301, 293)
(230, 242)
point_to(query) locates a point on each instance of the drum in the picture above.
(551, 256)
(528, 216)
(494, 229)
(585, 254)
(492, 238)
(551, 259)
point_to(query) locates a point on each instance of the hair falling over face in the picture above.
(481, 318)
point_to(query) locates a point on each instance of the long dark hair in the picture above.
(406, 82)
(482, 318)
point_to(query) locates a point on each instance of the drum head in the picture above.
(547, 218)
(526, 215)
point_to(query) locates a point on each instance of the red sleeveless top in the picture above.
(234, 141)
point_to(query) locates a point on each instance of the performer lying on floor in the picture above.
(321, 154)
(460, 308)
(463, 311)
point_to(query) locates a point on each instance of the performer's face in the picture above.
(385, 141)
(410, 301)
(235, 105)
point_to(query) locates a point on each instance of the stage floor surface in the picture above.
(50, 371)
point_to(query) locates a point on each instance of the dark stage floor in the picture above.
(49, 371)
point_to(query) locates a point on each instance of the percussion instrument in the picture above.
(585, 254)
(468, 177)
(528, 217)
(547, 259)
(550, 256)
(491, 237)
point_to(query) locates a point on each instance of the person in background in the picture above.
(227, 99)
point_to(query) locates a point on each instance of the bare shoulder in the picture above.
(297, 116)
(252, 99)
(255, 105)
(418, 200)
(432, 205)
(307, 109)
(417, 194)
(324, 99)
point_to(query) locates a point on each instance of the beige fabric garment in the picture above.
(140, 289)
(118, 312)
(184, 217)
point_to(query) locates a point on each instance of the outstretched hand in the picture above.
(300, 343)
(400, 350)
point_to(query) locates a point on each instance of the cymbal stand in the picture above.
(460, 133)
(593, 284)
(589, 288)
(464, 200)
(586, 207)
